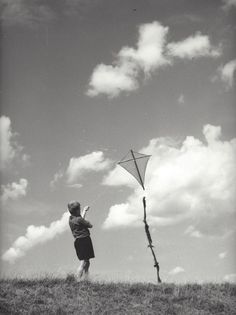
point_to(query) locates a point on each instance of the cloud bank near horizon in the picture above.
(230, 277)
(192, 180)
(177, 270)
(35, 235)
(152, 52)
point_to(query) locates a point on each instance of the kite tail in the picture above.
(156, 264)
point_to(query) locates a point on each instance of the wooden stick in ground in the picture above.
(156, 264)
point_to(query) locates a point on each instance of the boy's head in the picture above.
(74, 208)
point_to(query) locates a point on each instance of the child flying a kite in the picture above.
(80, 230)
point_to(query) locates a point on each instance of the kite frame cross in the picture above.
(134, 159)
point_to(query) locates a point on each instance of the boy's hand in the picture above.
(86, 208)
(85, 211)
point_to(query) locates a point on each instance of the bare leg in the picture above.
(86, 269)
(81, 268)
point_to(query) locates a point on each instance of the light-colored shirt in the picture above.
(79, 227)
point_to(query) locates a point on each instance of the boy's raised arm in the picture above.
(86, 223)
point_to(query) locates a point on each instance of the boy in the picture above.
(80, 230)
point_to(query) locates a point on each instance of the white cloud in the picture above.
(119, 216)
(9, 148)
(191, 230)
(123, 74)
(112, 79)
(35, 235)
(150, 53)
(150, 47)
(176, 270)
(189, 181)
(194, 46)
(222, 255)
(14, 190)
(94, 161)
(230, 278)
(226, 73)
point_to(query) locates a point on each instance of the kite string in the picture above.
(97, 198)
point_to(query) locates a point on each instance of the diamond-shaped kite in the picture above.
(136, 163)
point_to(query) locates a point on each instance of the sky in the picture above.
(82, 83)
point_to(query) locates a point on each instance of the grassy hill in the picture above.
(67, 296)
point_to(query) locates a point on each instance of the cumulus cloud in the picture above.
(192, 47)
(151, 53)
(176, 270)
(123, 74)
(35, 235)
(150, 47)
(192, 180)
(94, 161)
(226, 73)
(14, 190)
(9, 148)
(112, 79)
(78, 166)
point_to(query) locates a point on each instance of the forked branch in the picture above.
(156, 264)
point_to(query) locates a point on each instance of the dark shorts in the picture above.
(84, 248)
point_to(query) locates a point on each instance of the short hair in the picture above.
(72, 206)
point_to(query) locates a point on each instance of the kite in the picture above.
(136, 163)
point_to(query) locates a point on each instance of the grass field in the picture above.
(67, 296)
